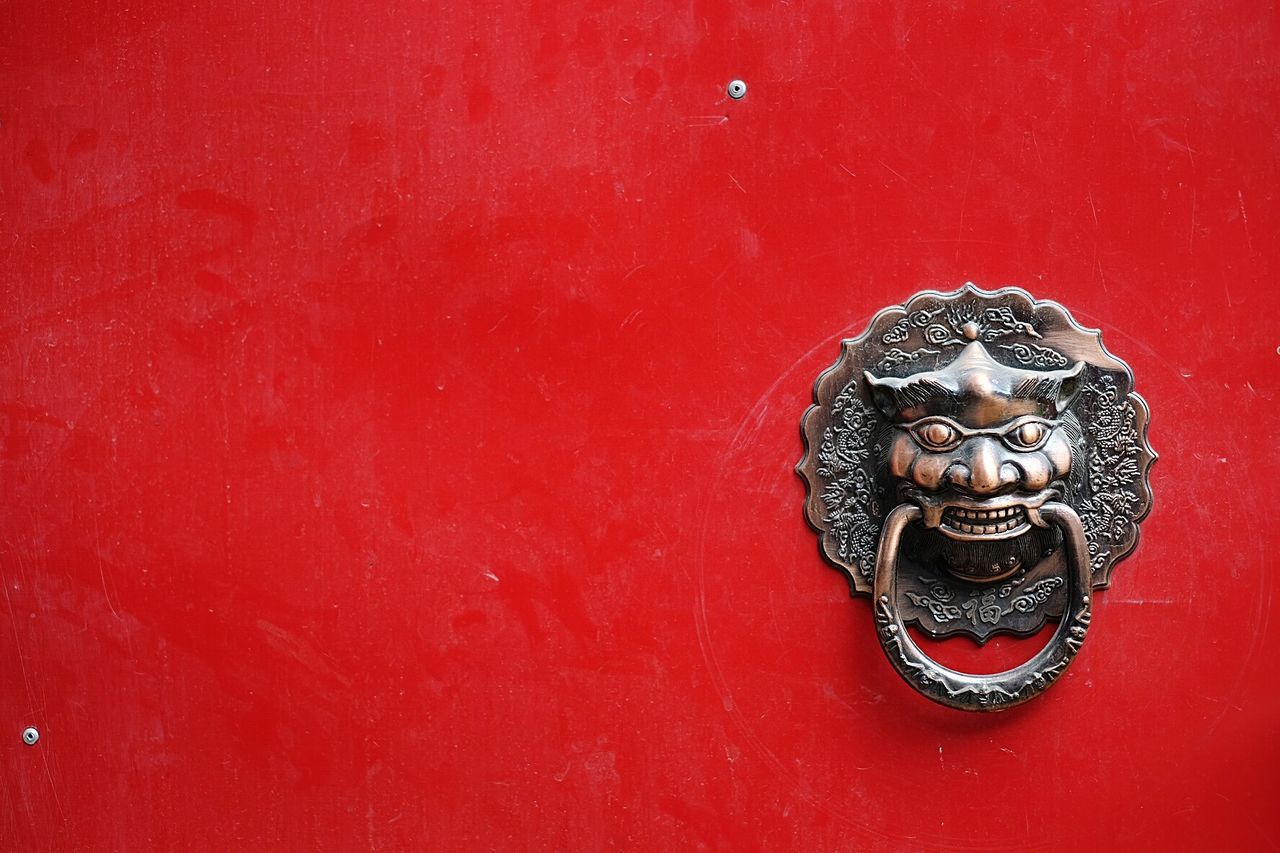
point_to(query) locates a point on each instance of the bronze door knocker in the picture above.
(977, 462)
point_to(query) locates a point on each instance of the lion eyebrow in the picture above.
(1042, 388)
(917, 392)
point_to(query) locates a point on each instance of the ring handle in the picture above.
(999, 690)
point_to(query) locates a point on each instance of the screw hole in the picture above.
(737, 90)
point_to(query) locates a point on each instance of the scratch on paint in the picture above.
(1248, 239)
(1191, 238)
(289, 643)
(17, 645)
(899, 176)
(102, 572)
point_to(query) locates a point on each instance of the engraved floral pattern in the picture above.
(846, 468)
(1113, 489)
(987, 605)
(897, 356)
(1035, 355)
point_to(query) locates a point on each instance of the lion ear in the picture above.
(881, 393)
(1069, 387)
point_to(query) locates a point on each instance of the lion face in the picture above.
(980, 447)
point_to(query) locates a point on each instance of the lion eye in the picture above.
(936, 435)
(1027, 436)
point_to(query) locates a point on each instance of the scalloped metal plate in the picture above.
(847, 500)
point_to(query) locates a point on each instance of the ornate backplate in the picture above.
(1004, 349)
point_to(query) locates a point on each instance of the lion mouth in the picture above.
(972, 523)
(961, 517)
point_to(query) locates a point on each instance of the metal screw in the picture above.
(30, 735)
(737, 90)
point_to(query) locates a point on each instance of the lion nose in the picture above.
(982, 468)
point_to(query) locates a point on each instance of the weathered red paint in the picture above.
(400, 404)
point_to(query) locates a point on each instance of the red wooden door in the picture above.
(400, 404)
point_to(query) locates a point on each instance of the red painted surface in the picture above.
(400, 405)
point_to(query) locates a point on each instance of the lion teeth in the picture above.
(985, 522)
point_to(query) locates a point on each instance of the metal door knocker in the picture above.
(977, 462)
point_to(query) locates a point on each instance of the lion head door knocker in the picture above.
(977, 462)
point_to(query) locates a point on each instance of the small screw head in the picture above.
(737, 90)
(30, 735)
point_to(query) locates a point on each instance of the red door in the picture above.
(401, 401)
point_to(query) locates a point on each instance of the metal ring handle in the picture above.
(983, 692)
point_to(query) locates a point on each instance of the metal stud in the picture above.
(737, 90)
(30, 735)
